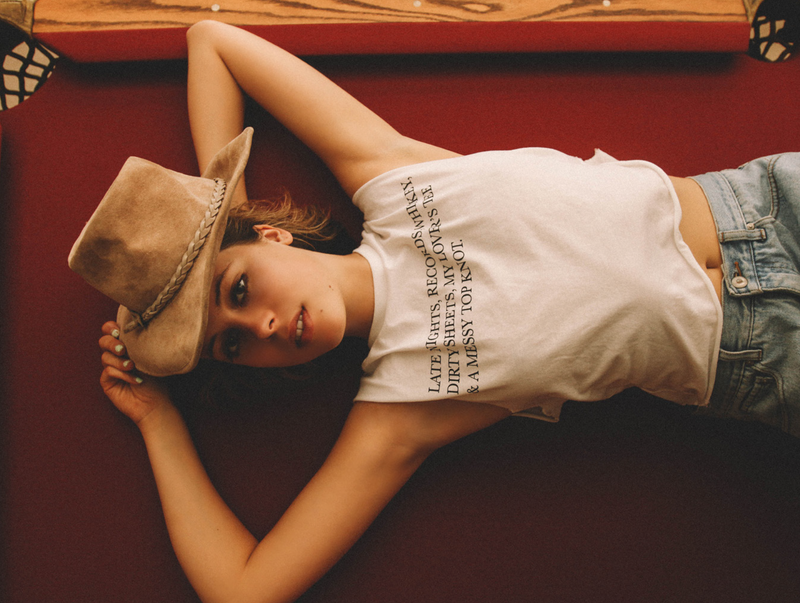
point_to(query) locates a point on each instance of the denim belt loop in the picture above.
(735, 234)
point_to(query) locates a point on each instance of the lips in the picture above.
(303, 329)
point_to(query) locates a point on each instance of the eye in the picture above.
(230, 344)
(239, 292)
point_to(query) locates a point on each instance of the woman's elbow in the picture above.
(203, 31)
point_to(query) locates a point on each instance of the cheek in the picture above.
(332, 320)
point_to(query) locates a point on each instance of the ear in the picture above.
(273, 234)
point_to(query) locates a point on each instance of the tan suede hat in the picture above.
(151, 245)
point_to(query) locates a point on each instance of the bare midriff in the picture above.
(698, 229)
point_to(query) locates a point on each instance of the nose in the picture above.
(262, 324)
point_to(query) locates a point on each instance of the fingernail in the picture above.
(126, 364)
(115, 333)
(119, 348)
(139, 380)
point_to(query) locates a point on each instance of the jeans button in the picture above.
(739, 282)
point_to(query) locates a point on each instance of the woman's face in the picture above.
(272, 304)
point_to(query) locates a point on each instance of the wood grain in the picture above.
(71, 15)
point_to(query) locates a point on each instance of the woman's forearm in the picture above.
(352, 141)
(223, 561)
(215, 102)
(211, 544)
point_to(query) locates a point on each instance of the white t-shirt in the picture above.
(527, 278)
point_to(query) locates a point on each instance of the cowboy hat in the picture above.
(151, 245)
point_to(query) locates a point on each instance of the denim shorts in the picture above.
(757, 213)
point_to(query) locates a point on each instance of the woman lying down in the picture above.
(608, 275)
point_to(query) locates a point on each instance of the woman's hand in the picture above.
(135, 395)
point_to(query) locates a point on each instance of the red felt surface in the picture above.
(630, 500)
(418, 38)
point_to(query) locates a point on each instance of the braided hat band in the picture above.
(152, 245)
(140, 320)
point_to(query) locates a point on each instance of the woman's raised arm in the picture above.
(354, 142)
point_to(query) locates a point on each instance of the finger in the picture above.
(120, 363)
(113, 345)
(111, 328)
(111, 376)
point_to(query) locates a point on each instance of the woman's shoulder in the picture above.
(406, 152)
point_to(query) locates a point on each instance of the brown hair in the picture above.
(220, 386)
(311, 227)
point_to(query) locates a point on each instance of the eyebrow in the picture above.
(217, 300)
(210, 347)
(218, 284)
